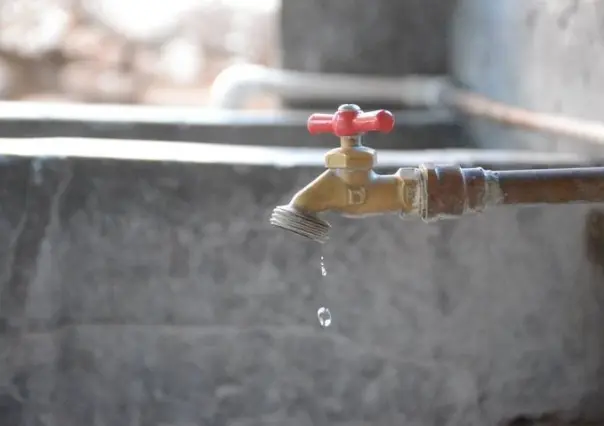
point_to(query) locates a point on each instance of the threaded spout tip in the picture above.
(304, 224)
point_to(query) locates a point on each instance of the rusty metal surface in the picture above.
(555, 186)
(452, 191)
(449, 191)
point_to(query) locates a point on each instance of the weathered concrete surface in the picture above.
(378, 38)
(157, 294)
(382, 37)
(413, 129)
(541, 55)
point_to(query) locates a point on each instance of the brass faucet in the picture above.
(352, 188)
(349, 186)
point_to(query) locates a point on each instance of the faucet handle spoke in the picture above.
(349, 120)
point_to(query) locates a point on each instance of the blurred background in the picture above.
(134, 52)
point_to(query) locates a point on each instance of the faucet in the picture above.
(353, 189)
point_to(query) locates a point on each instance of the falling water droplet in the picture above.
(323, 270)
(323, 313)
(324, 317)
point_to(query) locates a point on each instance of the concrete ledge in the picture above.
(414, 129)
(159, 292)
(271, 156)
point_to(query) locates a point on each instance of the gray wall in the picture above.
(157, 294)
(545, 56)
(381, 37)
(541, 55)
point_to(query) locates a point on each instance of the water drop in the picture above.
(323, 270)
(324, 317)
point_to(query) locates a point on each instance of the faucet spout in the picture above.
(350, 193)
(308, 225)
(300, 215)
(322, 194)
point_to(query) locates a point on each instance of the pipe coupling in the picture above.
(445, 192)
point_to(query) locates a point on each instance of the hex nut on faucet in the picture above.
(360, 158)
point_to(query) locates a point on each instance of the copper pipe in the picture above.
(470, 103)
(450, 191)
(552, 186)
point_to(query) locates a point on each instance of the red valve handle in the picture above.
(349, 121)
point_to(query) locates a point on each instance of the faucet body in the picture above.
(352, 194)
(352, 188)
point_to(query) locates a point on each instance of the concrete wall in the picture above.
(541, 55)
(157, 294)
(381, 37)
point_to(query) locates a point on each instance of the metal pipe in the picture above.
(474, 104)
(235, 85)
(444, 192)
(552, 186)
